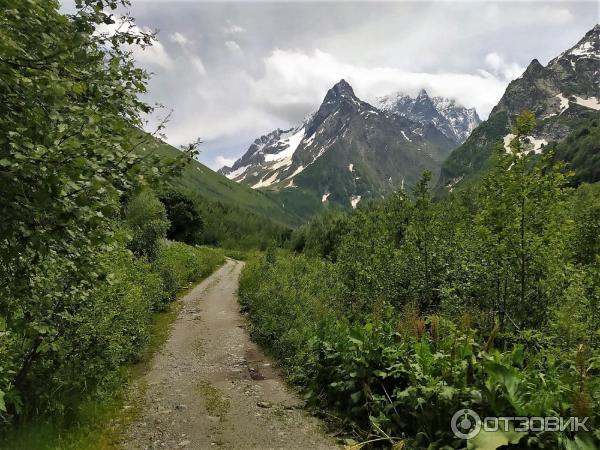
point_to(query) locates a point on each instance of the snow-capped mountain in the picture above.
(561, 94)
(345, 152)
(269, 152)
(454, 120)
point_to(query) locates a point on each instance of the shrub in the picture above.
(102, 329)
(146, 217)
(180, 264)
(396, 376)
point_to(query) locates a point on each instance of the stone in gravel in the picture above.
(265, 404)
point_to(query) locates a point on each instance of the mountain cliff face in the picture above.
(347, 151)
(455, 121)
(562, 95)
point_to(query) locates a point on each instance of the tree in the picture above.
(70, 149)
(521, 209)
(186, 222)
(147, 219)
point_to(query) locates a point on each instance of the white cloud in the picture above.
(555, 16)
(221, 161)
(232, 28)
(152, 55)
(179, 38)
(198, 65)
(233, 46)
(296, 79)
(502, 69)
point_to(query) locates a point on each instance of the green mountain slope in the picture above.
(582, 149)
(563, 95)
(200, 180)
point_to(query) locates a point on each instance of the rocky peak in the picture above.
(454, 121)
(340, 97)
(587, 47)
(560, 94)
(341, 89)
(534, 69)
(424, 107)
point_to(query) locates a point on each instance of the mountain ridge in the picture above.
(562, 94)
(346, 151)
(452, 119)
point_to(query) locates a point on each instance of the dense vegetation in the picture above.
(395, 316)
(83, 256)
(219, 223)
(582, 149)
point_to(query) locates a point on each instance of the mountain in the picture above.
(582, 149)
(198, 179)
(563, 94)
(455, 121)
(347, 151)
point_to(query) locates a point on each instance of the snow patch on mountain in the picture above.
(586, 49)
(533, 143)
(266, 182)
(590, 102)
(289, 145)
(236, 173)
(564, 102)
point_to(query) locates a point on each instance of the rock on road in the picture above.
(211, 387)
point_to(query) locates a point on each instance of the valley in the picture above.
(397, 273)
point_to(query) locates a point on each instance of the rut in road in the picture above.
(212, 387)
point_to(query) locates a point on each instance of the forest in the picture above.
(395, 316)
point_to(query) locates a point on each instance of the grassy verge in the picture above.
(99, 422)
(239, 255)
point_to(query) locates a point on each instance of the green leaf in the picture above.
(491, 440)
(356, 341)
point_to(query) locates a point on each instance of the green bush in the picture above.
(407, 382)
(102, 331)
(396, 376)
(287, 298)
(180, 264)
(146, 217)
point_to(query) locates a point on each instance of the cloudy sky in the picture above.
(234, 71)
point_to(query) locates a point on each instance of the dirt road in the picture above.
(211, 387)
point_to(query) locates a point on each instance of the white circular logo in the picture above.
(466, 424)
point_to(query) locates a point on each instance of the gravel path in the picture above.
(211, 387)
